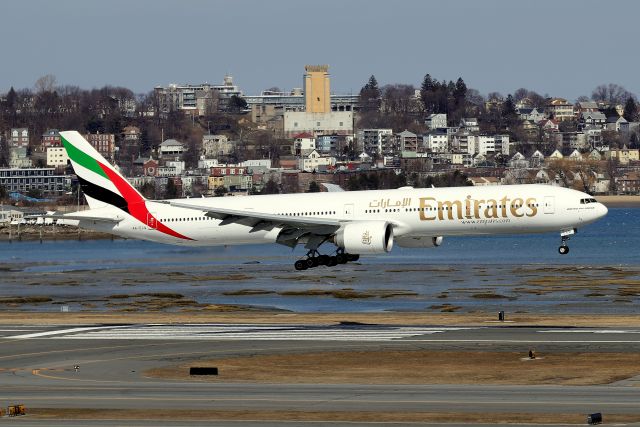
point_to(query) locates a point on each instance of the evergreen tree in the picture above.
(236, 104)
(370, 95)
(171, 192)
(630, 110)
(313, 187)
(220, 191)
(11, 99)
(460, 92)
(271, 187)
(509, 108)
(3, 193)
(426, 93)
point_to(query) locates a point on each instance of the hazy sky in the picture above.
(557, 47)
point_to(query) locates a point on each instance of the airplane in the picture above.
(356, 222)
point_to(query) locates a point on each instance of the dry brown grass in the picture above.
(420, 367)
(240, 314)
(331, 416)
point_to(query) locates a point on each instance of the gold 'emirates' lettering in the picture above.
(432, 209)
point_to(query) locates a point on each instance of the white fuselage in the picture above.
(428, 212)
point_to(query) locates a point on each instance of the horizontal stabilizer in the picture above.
(113, 220)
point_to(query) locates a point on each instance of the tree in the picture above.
(313, 187)
(236, 104)
(11, 99)
(45, 84)
(271, 187)
(630, 110)
(4, 153)
(171, 191)
(35, 193)
(509, 108)
(426, 93)
(148, 190)
(370, 96)
(459, 92)
(220, 191)
(3, 192)
(611, 93)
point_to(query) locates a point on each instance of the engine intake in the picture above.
(366, 237)
(419, 241)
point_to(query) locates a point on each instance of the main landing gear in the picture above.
(314, 259)
(565, 236)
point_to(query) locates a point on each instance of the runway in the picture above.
(37, 369)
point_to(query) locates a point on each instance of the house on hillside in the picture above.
(171, 147)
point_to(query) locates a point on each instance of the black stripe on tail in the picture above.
(102, 194)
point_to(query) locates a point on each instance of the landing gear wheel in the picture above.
(341, 258)
(353, 257)
(563, 250)
(323, 259)
(312, 262)
(333, 261)
(300, 265)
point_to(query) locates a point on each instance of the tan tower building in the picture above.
(317, 89)
(318, 117)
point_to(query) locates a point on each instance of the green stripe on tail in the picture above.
(83, 159)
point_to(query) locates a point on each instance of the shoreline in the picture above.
(620, 201)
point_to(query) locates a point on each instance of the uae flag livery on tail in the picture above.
(103, 185)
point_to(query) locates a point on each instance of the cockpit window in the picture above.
(586, 201)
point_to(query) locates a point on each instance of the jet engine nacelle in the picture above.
(419, 241)
(366, 237)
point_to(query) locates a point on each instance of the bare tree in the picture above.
(562, 169)
(611, 93)
(45, 84)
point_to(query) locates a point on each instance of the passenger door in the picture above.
(549, 204)
(348, 211)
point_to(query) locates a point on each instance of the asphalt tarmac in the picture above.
(37, 369)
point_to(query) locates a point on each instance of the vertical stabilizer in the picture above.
(101, 183)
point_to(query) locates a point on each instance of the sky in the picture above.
(557, 47)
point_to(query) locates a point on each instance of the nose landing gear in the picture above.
(565, 236)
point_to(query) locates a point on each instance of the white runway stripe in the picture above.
(251, 332)
(59, 332)
(591, 331)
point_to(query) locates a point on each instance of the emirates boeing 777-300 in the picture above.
(356, 222)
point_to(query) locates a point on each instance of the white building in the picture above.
(314, 161)
(216, 145)
(488, 144)
(178, 165)
(256, 164)
(334, 122)
(436, 121)
(374, 141)
(204, 163)
(305, 143)
(470, 124)
(171, 147)
(18, 158)
(57, 156)
(436, 141)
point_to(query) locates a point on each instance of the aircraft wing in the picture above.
(293, 228)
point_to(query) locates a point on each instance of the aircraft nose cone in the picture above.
(602, 210)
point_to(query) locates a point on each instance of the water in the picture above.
(614, 240)
(85, 274)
